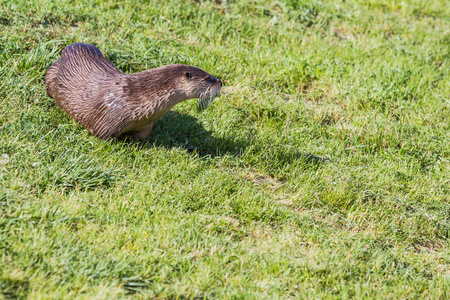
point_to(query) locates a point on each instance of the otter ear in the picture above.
(188, 75)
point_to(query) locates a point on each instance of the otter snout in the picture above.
(214, 85)
(214, 80)
(217, 82)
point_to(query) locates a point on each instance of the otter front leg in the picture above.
(143, 134)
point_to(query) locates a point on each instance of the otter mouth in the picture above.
(206, 98)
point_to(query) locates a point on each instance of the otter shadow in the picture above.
(186, 132)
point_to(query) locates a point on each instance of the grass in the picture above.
(322, 171)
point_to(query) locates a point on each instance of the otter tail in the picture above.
(50, 79)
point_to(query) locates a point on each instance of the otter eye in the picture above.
(188, 75)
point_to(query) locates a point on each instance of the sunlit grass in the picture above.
(322, 171)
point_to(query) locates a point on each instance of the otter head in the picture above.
(197, 83)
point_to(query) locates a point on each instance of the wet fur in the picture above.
(108, 102)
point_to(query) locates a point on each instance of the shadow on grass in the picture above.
(176, 130)
(186, 132)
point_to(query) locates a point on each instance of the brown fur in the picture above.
(108, 102)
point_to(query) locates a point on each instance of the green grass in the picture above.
(234, 202)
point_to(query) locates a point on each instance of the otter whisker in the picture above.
(203, 103)
(205, 100)
(207, 97)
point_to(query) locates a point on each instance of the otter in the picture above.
(108, 102)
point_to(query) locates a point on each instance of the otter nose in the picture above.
(213, 79)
